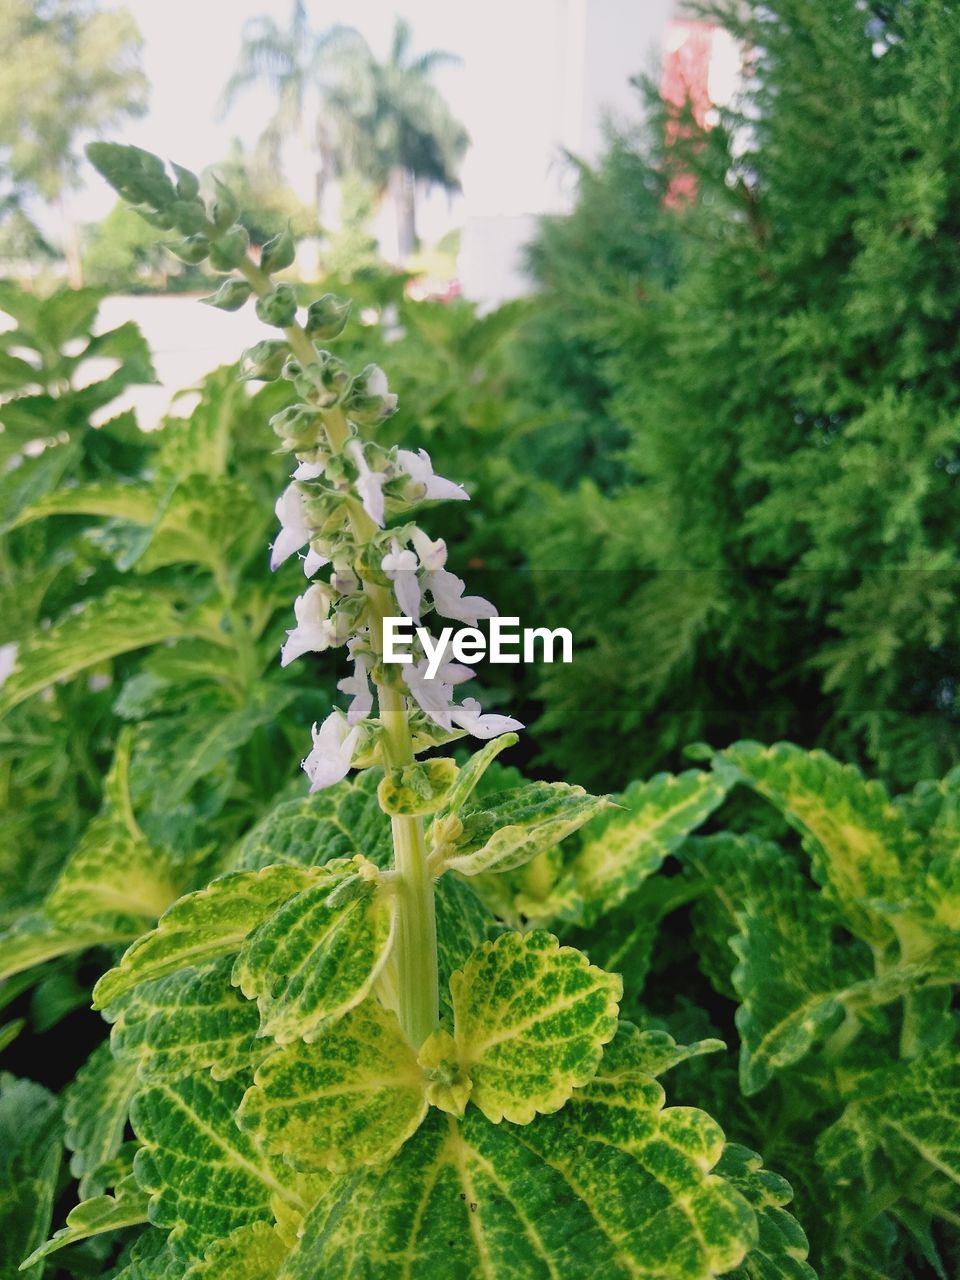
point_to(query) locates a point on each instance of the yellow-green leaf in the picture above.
(317, 956)
(127, 1208)
(204, 925)
(530, 1021)
(350, 1097)
(254, 1252)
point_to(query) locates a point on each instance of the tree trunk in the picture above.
(71, 246)
(405, 196)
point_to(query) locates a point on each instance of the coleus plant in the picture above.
(335, 1058)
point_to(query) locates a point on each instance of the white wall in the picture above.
(554, 72)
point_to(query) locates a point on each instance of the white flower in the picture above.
(369, 483)
(468, 716)
(313, 561)
(450, 602)
(308, 471)
(314, 631)
(400, 566)
(376, 385)
(358, 686)
(435, 696)
(333, 746)
(294, 530)
(433, 555)
(420, 469)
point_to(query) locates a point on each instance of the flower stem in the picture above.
(415, 949)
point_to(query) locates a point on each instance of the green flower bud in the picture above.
(327, 317)
(323, 384)
(297, 426)
(369, 400)
(231, 295)
(227, 252)
(188, 184)
(226, 208)
(192, 250)
(292, 369)
(136, 175)
(161, 219)
(188, 216)
(278, 253)
(278, 308)
(263, 362)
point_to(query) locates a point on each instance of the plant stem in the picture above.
(415, 948)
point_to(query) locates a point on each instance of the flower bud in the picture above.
(292, 369)
(137, 175)
(228, 251)
(323, 384)
(188, 216)
(226, 208)
(279, 307)
(231, 295)
(278, 253)
(188, 184)
(263, 362)
(369, 401)
(327, 317)
(192, 250)
(162, 219)
(296, 426)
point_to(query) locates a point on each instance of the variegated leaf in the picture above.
(623, 846)
(187, 1021)
(205, 1178)
(35, 938)
(557, 1198)
(317, 956)
(860, 843)
(127, 1208)
(254, 1252)
(96, 1107)
(31, 1135)
(513, 827)
(352, 1096)
(782, 1248)
(530, 1021)
(204, 926)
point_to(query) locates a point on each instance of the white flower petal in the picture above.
(313, 562)
(358, 686)
(333, 747)
(469, 716)
(432, 696)
(450, 602)
(420, 469)
(369, 484)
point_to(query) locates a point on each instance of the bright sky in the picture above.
(187, 73)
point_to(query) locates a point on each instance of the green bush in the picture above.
(776, 368)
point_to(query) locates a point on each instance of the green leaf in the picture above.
(530, 1021)
(96, 1105)
(781, 1250)
(253, 1252)
(128, 1208)
(205, 1177)
(471, 773)
(136, 503)
(624, 846)
(150, 1258)
(30, 1150)
(353, 1096)
(116, 623)
(35, 938)
(114, 871)
(203, 926)
(656, 1052)
(558, 1198)
(513, 827)
(336, 823)
(900, 1132)
(317, 956)
(859, 842)
(187, 1021)
(31, 479)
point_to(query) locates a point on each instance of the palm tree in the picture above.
(393, 126)
(295, 63)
